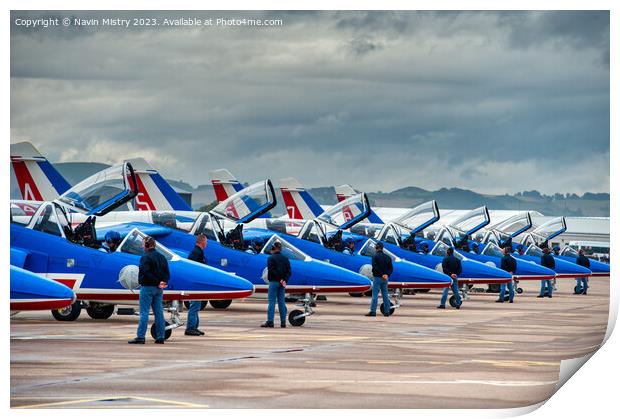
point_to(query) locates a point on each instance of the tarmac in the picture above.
(485, 355)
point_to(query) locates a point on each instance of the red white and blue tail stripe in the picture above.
(155, 194)
(37, 179)
(299, 204)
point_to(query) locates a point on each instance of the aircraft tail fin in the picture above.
(346, 191)
(224, 184)
(155, 193)
(37, 179)
(299, 204)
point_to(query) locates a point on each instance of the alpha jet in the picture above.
(322, 238)
(48, 245)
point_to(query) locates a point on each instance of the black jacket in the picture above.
(583, 261)
(278, 268)
(153, 269)
(197, 255)
(509, 264)
(451, 265)
(547, 261)
(381, 264)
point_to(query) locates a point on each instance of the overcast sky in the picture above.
(494, 102)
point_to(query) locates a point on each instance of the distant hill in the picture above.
(589, 204)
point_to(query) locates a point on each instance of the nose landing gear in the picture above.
(298, 317)
(175, 321)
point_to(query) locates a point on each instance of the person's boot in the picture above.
(499, 300)
(371, 314)
(540, 296)
(201, 332)
(135, 341)
(283, 324)
(159, 341)
(441, 306)
(193, 332)
(267, 324)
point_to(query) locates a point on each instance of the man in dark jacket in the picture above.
(153, 277)
(381, 270)
(278, 274)
(582, 260)
(451, 266)
(509, 264)
(546, 287)
(197, 255)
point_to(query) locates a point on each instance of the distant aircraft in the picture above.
(461, 231)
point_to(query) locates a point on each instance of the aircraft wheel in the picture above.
(392, 309)
(493, 288)
(203, 304)
(166, 335)
(220, 304)
(69, 313)
(294, 320)
(356, 294)
(100, 311)
(519, 290)
(452, 301)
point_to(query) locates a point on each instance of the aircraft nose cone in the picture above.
(599, 267)
(564, 267)
(330, 276)
(417, 274)
(526, 268)
(27, 285)
(188, 276)
(473, 269)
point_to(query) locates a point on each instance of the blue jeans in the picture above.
(455, 291)
(192, 315)
(379, 284)
(548, 285)
(581, 287)
(276, 292)
(511, 291)
(151, 296)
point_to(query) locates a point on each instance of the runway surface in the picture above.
(486, 355)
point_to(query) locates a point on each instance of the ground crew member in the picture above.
(197, 255)
(582, 260)
(255, 247)
(278, 274)
(381, 270)
(556, 250)
(546, 287)
(349, 247)
(153, 277)
(451, 266)
(112, 240)
(520, 250)
(509, 264)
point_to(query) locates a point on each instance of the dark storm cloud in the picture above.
(496, 102)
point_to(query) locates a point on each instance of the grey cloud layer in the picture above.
(495, 102)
